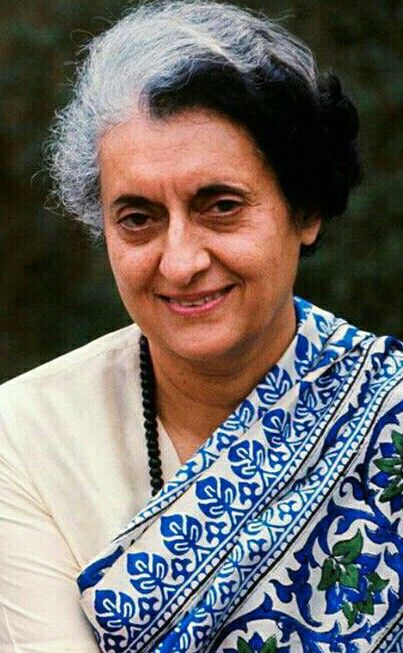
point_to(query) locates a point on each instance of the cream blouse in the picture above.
(73, 472)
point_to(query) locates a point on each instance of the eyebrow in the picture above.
(130, 199)
(216, 189)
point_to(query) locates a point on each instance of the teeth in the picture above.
(197, 302)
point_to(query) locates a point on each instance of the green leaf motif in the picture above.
(349, 549)
(393, 490)
(330, 574)
(397, 439)
(350, 611)
(376, 583)
(350, 577)
(367, 606)
(243, 646)
(270, 645)
(389, 465)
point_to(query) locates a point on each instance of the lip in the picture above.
(173, 302)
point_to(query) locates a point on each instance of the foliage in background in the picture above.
(56, 291)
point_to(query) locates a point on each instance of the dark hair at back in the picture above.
(166, 56)
(308, 139)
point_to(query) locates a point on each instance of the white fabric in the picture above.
(73, 471)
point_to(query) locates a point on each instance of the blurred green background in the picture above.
(56, 291)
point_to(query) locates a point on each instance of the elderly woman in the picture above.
(224, 474)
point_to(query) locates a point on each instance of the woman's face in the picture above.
(199, 236)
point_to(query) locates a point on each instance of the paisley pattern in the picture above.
(281, 534)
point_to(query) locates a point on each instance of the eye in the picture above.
(135, 220)
(227, 205)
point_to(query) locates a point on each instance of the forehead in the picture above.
(187, 145)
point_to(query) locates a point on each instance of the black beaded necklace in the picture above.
(147, 380)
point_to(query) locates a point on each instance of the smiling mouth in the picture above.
(197, 300)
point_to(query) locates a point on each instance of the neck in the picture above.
(194, 398)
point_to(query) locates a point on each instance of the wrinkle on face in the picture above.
(167, 170)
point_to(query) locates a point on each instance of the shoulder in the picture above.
(68, 396)
(386, 364)
(334, 340)
(91, 358)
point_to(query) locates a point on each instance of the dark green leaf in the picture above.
(330, 574)
(367, 606)
(393, 490)
(243, 646)
(270, 645)
(350, 612)
(350, 577)
(376, 583)
(349, 549)
(397, 439)
(389, 465)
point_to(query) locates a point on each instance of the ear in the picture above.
(310, 231)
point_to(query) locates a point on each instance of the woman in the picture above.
(204, 144)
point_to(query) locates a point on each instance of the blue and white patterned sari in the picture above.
(281, 534)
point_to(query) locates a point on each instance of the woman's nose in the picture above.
(184, 255)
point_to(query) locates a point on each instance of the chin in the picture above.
(205, 349)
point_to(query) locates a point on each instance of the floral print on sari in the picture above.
(281, 534)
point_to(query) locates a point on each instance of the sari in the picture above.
(281, 534)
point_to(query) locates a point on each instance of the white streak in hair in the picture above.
(150, 46)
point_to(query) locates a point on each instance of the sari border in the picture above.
(195, 582)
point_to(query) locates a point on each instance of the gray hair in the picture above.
(140, 55)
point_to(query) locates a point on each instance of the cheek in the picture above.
(130, 268)
(271, 265)
(243, 251)
(255, 258)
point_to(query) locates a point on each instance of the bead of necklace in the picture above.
(147, 381)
